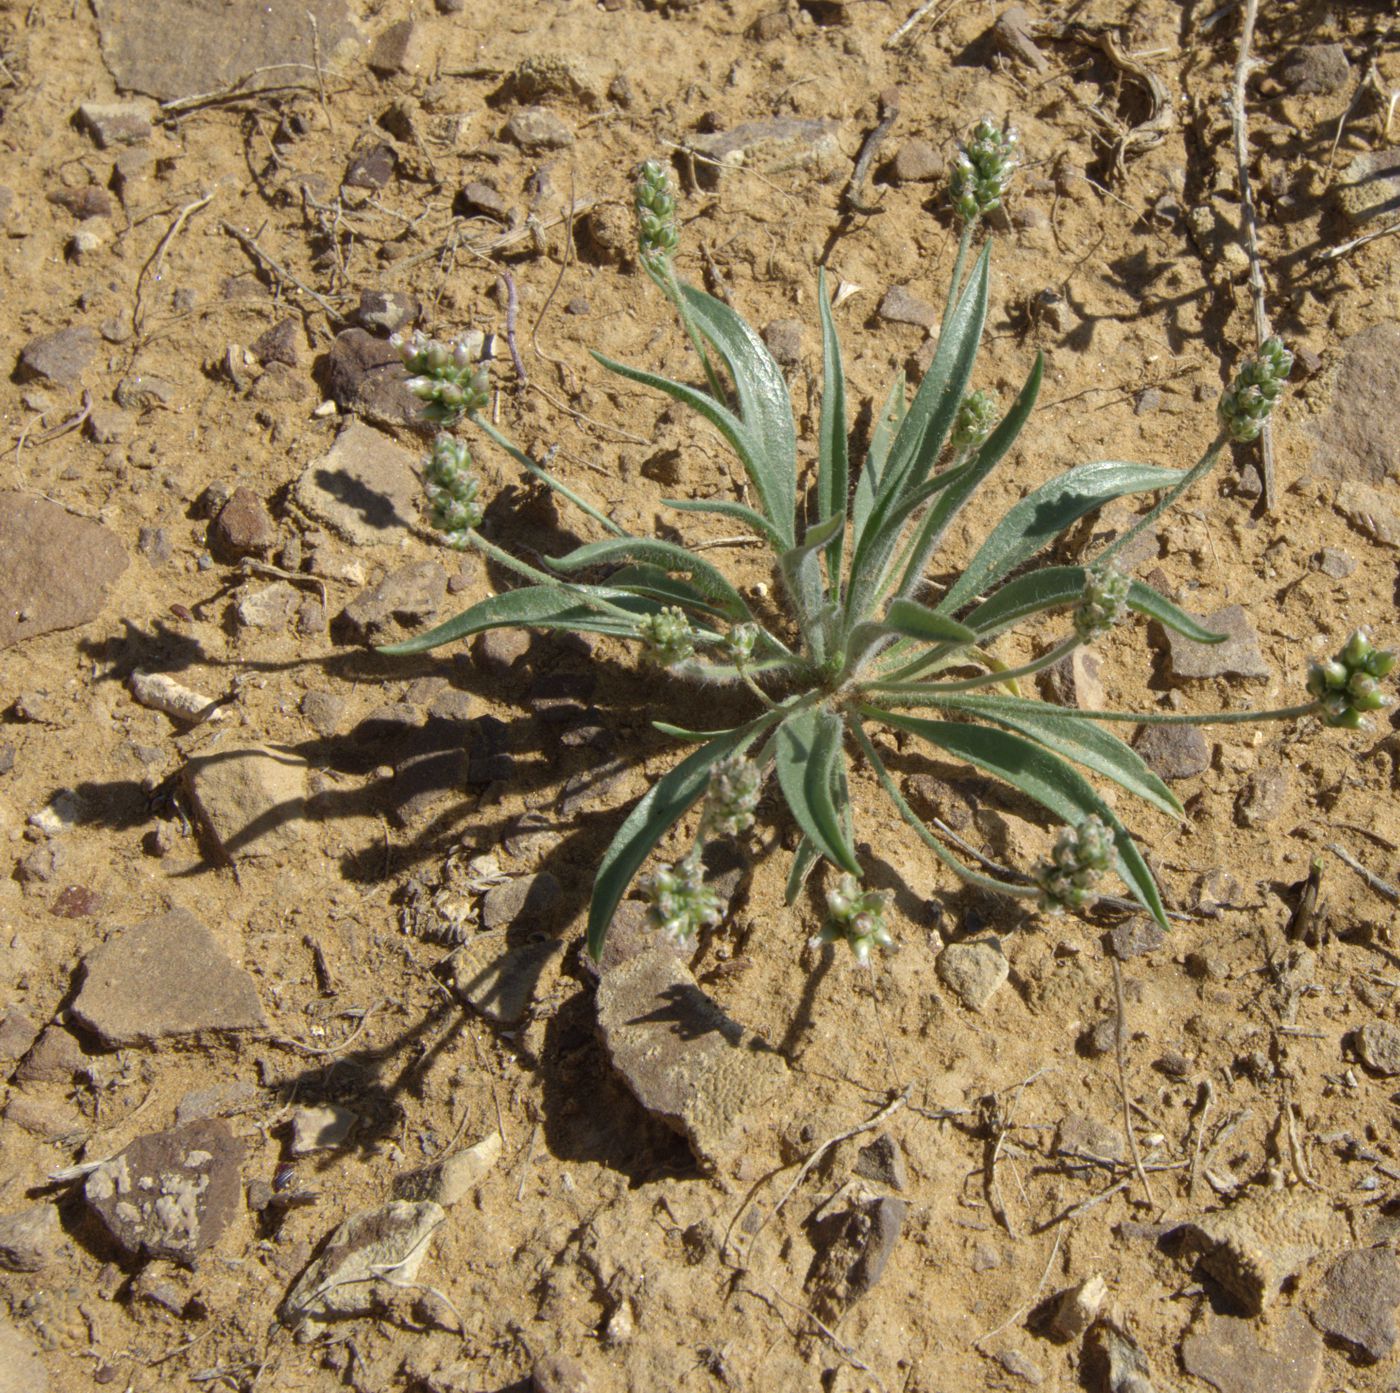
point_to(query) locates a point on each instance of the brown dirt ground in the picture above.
(593, 1210)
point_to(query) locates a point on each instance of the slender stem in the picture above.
(971, 684)
(965, 873)
(1148, 518)
(669, 282)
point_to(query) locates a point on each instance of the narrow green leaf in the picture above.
(1047, 588)
(661, 807)
(803, 573)
(913, 620)
(941, 515)
(697, 737)
(833, 462)
(1155, 605)
(882, 436)
(803, 859)
(1042, 776)
(1079, 740)
(1043, 514)
(533, 607)
(725, 508)
(808, 747)
(660, 585)
(707, 578)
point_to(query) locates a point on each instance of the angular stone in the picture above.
(772, 146)
(1334, 562)
(269, 606)
(525, 902)
(783, 338)
(49, 1119)
(60, 357)
(856, 1244)
(557, 1373)
(1235, 1355)
(1237, 656)
(1077, 681)
(498, 982)
(561, 76)
(244, 527)
(407, 597)
(1082, 1137)
(901, 307)
(1315, 69)
(163, 978)
(370, 168)
(368, 1257)
(1075, 1309)
(1011, 34)
(1359, 437)
(170, 1194)
(84, 203)
(365, 374)
(251, 800)
(1174, 752)
(324, 710)
(17, 1034)
(30, 1238)
(917, 162)
(1021, 1367)
(1262, 1240)
(1370, 512)
(56, 1058)
(320, 1128)
(1370, 186)
(1360, 1294)
(116, 123)
(399, 49)
(1378, 1047)
(687, 1062)
(21, 1368)
(883, 1162)
(480, 199)
(182, 48)
(1135, 936)
(386, 311)
(282, 343)
(536, 128)
(55, 568)
(364, 488)
(973, 971)
(497, 651)
(451, 1180)
(1262, 800)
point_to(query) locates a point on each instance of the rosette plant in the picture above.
(854, 636)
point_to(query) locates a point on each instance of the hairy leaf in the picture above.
(833, 463)
(707, 578)
(808, 748)
(882, 436)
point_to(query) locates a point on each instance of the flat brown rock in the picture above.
(694, 1067)
(164, 978)
(1359, 437)
(54, 568)
(1361, 1294)
(363, 488)
(1236, 1355)
(251, 800)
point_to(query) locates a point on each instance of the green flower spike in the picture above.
(732, 796)
(679, 903)
(1081, 855)
(1348, 686)
(667, 637)
(976, 418)
(1104, 602)
(858, 917)
(452, 491)
(450, 378)
(982, 170)
(1245, 405)
(657, 234)
(739, 643)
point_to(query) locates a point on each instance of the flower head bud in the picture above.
(1348, 686)
(739, 643)
(667, 637)
(1103, 603)
(452, 490)
(450, 378)
(982, 170)
(679, 903)
(977, 415)
(1081, 855)
(731, 798)
(856, 916)
(657, 233)
(1245, 405)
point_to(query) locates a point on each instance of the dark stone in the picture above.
(1358, 440)
(1174, 752)
(56, 1058)
(280, 344)
(1135, 936)
(480, 199)
(60, 357)
(244, 527)
(900, 307)
(784, 340)
(1360, 1294)
(371, 168)
(364, 373)
(1315, 70)
(87, 202)
(396, 50)
(523, 903)
(883, 1162)
(404, 599)
(76, 902)
(324, 710)
(386, 311)
(859, 1242)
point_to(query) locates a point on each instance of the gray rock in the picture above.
(30, 1238)
(368, 1257)
(399, 49)
(1334, 562)
(1011, 34)
(1261, 801)
(901, 307)
(525, 902)
(56, 1058)
(917, 162)
(251, 800)
(386, 311)
(772, 146)
(1359, 437)
(17, 1034)
(1360, 1294)
(371, 167)
(163, 978)
(60, 357)
(1019, 1366)
(1378, 1047)
(1237, 656)
(883, 1162)
(320, 1128)
(784, 340)
(561, 76)
(1136, 936)
(498, 982)
(86, 202)
(170, 1194)
(406, 598)
(50, 1119)
(1174, 752)
(180, 48)
(282, 343)
(1082, 1137)
(1076, 681)
(1315, 69)
(557, 1373)
(324, 710)
(686, 1061)
(1076, 1308)
(112, 124)
(480, 199)
(451, 1180)
(145, 392)
(1235, 1355)
(973, 971)
(536, 128)
(21, 1368)
(363, 488)
(222, 1100)
(1370, 512)
(857, 1248)
(497, 651)
(55, 568)
(1122, 1361)
(244, 527)
(269, 606)
(1370, 186)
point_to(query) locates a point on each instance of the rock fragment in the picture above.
(1358, 439)
(1122, 1363)
(30, 1238)
(399, 49)
(1011, 34)
(170, 1194)
(163, 693)
(536, 128)
(1075, 1309)
(405, 599)
(1370, 512)
(370, 168)
(251, 800)
(697, 1069)
(1361, 1291)
(164, 978)
(1237, 656)
(365, 374)
(1370, 186)
(900, 306)
(244, 527)
(59, 358)
(498, 982)
(1235, 1355)
(773, 146)
(269, 606)
(783, 338)
(883, 1162)
(855, 1249)
(115, 123)
(1378, 1047)
(21, 1368)
(364, 488)
(1076, 680)
(320, 1128)
(1262, 800)
(973, 971)
(1174, 752)
(386, 311)
(525, 901)
(1315, 70)
(917, 162)
(17, 1034)
(368, 1258)
(1136, 936)
(451, 1180)
(55, 568)
(560, 76)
